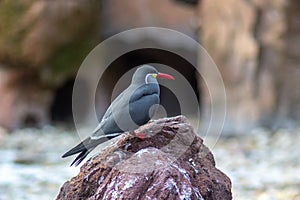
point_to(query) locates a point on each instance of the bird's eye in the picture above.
(154, 75)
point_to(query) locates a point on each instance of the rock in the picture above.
(23, 103)
(171, 163)
(253, 43)
(41, 47)
(52, 46)
(179, 17)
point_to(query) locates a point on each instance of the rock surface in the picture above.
(171, 163)
(253, 43)
(41, 47)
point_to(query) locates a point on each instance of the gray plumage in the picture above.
(132, 108)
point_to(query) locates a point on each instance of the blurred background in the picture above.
(255, 45)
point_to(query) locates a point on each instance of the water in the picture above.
(260, 164)
(31, 166)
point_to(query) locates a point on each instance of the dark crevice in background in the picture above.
(30, 120)
(188, 2)
(61, 108)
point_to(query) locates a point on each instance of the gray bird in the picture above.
(132, 108)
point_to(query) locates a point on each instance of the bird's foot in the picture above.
(141, 136)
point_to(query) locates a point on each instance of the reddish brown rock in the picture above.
(172, 163)
(23, 102)
(254, 45)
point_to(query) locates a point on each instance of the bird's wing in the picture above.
(107, 116)
(132, 94)
(104, 119)
(144, 90)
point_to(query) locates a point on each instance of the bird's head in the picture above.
(148, 74)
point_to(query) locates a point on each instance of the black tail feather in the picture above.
(78, 148)
(80, 157)
(83, 148)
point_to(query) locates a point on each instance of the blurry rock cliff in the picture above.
(254, 44)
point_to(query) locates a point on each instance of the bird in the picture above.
(134, 107)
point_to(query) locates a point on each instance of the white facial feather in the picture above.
(146, 78)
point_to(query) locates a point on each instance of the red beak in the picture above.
(165, 76)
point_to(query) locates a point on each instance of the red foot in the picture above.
(141, 136)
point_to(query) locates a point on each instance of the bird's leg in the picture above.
(139, 135)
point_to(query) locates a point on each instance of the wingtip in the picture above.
(67, 154)
(74, 163)
(64, 155)
(80, 158)
(75, 150)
